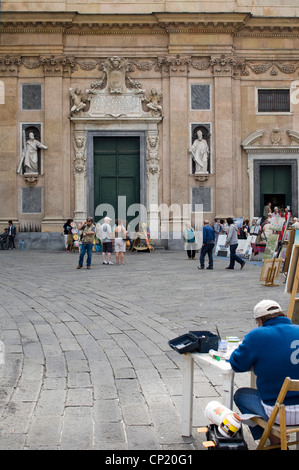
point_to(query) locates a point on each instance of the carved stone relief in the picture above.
(152, 157)
(116, 94)
(80, 175)
(166, 65)
(80, 158)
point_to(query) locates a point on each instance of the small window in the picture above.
(31, 97)
(274, 100)
(200, 97)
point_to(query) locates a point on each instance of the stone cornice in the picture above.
(74, 23)
(269, 27)
(236, 24)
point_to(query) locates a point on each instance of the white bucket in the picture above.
(216, 412)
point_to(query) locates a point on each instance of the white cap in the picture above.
(265, 307)
(107, 218)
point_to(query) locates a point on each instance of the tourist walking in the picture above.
(232, 242)
(208, 241)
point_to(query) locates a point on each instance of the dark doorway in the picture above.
(275, 186)
(116, 171)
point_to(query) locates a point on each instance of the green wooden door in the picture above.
(117, 172)
(275, 186)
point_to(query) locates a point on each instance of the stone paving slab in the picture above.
(87, 360)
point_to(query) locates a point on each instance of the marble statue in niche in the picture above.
(30, 157)
(31, 154)
(200, 154)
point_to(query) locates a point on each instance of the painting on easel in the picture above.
(271, 246)
(292, 284)
(292, 269)
(270, 271)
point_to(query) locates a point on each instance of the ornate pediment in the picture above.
(116, 94)
(275, 140)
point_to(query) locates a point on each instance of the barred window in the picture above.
(274, 100)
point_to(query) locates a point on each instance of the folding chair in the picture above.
(280, 430)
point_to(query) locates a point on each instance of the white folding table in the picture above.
(188, 382)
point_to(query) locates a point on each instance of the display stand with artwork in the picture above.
(271, 264)
(292, 285)
(221, 249)
(270, 271)
(286, 249)
(271, 246)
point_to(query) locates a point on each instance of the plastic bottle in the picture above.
(222, 346)
(22, 245)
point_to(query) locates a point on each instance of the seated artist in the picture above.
(272, 350)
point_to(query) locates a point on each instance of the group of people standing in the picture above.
(107, 235)
(276, 212)
(209, 240)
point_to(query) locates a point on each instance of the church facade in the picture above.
(173, 112)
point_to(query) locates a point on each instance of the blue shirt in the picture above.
(272, 350)
(208, 235)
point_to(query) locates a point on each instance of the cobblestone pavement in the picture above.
(87, 363)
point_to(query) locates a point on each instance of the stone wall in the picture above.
(288, 8)
(40, 241)
(227, 49)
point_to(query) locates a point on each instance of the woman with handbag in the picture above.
(120, 235)
(189, 241)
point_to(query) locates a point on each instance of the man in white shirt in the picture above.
(106, 240)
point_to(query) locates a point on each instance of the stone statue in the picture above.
(30, 155)
(78, 101)
(200, 154)
(153, 102)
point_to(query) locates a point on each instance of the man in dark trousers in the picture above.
(208, 241)
(11, 234)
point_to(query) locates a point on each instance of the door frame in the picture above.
(90, 136)
(257, 163)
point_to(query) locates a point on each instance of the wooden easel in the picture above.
(272, 274)
(289, 244)
(293, 311)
